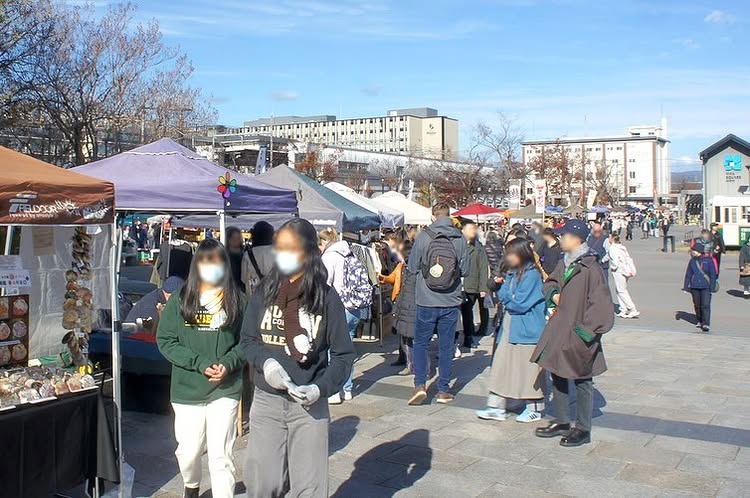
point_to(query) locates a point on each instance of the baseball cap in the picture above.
(574, 227)
(172, 284)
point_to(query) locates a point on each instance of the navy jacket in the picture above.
(695, 279)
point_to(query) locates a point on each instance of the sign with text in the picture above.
(540, 195)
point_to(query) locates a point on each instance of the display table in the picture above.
(50, 447)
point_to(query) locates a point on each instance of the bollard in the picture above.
(668, 239)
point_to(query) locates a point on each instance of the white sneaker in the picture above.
(633, 314)
(457, 354)
(490, 413)
(335, 399)
(347, 395)
(529, 415)
(623, 314)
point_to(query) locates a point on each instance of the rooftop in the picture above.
(586, 140)
(419, 112)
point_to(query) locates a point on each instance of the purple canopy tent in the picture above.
(166, 177)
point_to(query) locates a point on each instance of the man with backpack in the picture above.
(439, 257)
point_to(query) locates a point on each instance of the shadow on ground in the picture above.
(411, 453)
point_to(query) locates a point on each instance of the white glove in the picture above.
(275, 374)
(305, 395)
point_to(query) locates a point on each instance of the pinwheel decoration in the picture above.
(227, 185)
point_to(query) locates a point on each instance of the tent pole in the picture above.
(116, 324)
(169, 252)
(8, 239)
(223, 226)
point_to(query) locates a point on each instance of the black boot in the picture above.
(576, 437)
(401, 360)
(192, 493)
(554, 429)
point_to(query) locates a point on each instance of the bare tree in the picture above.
(499, 144)
(389, 171)
(93, 78)
(561, 170)
(604, 181)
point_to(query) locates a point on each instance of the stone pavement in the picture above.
(671, 417)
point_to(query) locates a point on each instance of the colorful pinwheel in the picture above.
(227, 185)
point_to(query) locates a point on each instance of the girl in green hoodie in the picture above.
(199, 333)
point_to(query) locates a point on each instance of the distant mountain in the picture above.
(691, 180)
(690, 176)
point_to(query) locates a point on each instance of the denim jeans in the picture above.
(353, 318)
(444, 320)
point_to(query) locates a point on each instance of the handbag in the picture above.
(708, 279)
(745, 270)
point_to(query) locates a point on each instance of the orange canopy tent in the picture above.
(33, 192)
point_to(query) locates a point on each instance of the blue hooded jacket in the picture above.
(524, 300)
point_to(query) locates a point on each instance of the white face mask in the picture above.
(287, 262)
(211, 273)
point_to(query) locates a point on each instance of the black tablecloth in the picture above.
(49, 447)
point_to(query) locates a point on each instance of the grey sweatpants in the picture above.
(287, 450)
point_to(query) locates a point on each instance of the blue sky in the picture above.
(562, 67)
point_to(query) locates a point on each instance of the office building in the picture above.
(419, 132)
(637, 162)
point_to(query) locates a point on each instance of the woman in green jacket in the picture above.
(199, 334)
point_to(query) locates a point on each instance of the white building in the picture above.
(639, 161)
(418, 132)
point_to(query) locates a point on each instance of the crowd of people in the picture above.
(288, 305)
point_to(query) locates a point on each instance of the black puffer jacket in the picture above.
(405, 308)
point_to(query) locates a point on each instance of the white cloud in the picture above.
(284, 95)
(719, 17)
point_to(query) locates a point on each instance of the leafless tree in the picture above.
(604, 180)
(561, 170)
(389, 171)
(95, 77)
(498, 144)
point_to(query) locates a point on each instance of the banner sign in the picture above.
(540, 195)
(514, 194)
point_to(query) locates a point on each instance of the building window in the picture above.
(632, 190)
(631, 160)
(632, 175)
(619, 148)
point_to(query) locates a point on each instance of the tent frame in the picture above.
(114, 270)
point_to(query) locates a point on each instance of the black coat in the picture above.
(550, 257)
(405, 307)
(495, 252)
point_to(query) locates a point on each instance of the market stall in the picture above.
(321, 206)
(52, 425)
(389, 216)
(165, 177)
(479, 212)
(414, 214)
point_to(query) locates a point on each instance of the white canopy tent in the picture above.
(414, 214)
(390, 217)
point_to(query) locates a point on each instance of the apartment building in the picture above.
(417, 132)
(638, 162)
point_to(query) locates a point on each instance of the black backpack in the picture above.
(440, 264)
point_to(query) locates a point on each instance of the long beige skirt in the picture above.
(512, 375)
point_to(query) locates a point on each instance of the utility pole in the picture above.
(270, 163)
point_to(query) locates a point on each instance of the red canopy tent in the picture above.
(477, 209)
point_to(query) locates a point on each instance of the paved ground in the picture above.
(671, 417)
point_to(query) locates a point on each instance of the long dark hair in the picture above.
(521, 247)
(314, 275)
(191, 293)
